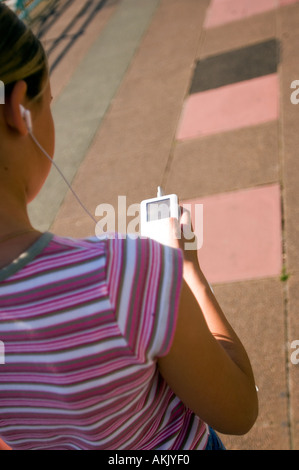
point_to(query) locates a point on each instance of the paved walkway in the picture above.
(194, 96)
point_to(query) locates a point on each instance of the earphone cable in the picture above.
(63, 177)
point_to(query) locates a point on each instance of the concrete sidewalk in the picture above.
(194, 96)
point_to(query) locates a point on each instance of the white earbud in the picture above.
(26, 115)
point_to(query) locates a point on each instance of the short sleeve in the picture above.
(144, 281)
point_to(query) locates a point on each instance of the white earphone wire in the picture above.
(62, 175)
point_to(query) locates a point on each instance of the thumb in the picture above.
(174, 228)
(185, 218)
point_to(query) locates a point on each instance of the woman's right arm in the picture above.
(207, 366)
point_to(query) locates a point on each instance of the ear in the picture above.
(12, 111)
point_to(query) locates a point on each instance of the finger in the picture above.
(174, 227)
(185, 218)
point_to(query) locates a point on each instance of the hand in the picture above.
(181, 236)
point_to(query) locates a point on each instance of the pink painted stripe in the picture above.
(242, 104)
(287, 2)
(241, 234)
(227, 11)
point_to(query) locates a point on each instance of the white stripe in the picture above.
(47, 305)
(165, 295)
(204, 439)
(76, 413)
(70, 355)
(128, 280)
(57, 318)
(68, 390)
(56, 276)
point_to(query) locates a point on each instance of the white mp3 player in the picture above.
(154, 215)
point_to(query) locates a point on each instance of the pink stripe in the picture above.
(287, 2)
(250, 244)
(51, 261)
(226, 11)
(242, 104)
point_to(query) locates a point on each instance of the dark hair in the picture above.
(22, 56)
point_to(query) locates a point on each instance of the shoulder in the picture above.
(69, 243)
(126, 260)
(144, 280)
(142, 254)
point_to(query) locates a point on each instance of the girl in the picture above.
(111, 343)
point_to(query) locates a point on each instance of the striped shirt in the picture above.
(83, 323)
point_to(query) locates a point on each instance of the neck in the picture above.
(13, 212)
